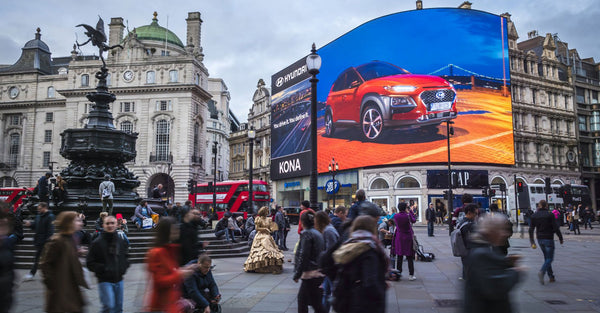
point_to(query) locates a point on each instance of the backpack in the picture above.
(105, 192)
(343, 285)
(458, 243)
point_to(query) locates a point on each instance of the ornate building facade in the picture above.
(163, 94)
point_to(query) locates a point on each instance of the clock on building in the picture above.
(13, 92)
(128, 76)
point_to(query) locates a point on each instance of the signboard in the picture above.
(387, 89)
(332, 186)
(468, 179)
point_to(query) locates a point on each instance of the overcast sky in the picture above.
(244, 40)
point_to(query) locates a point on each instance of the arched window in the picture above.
(380, 183)
(150, 77)
(85, 80)
(127, 126)
(163, 129)
(50, 92)
(13, 149)
(539, 181)
(8, 181)
(196, 153)
(173, 76)
(408, 182)
(498, 181)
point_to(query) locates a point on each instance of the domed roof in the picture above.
(37, 43)
(156, 32)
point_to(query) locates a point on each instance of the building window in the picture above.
(8, 181)
(173, 76)
(533, 92)
(127, 107)
(13, 150)
(594, 95)
(85, 80)
(50, 93)
(49, 116)
(150, 77)
(127, 127)
(408, 182)
(163, 105)
(48, 135)
(582, 123)
(162, 140)
(46, 159)
(197, 79)
(380, 183)
(196, 140)
(165, 53)
(14, 120)
(580, 95)
(109, 79)
(596, 153)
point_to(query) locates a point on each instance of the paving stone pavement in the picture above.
(437, 288)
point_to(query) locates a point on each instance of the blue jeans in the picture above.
(547, 247)
(326, 294)
(111, 297)
(430, 228)
(229, 234)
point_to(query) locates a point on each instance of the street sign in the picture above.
(332, 186)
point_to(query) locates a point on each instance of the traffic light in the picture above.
(445, 194)
(190, 185)
(210, 186)
(491, 192)
(484, 192)
(503, 187)
(566, 194)
(548, 188)
(520, 186)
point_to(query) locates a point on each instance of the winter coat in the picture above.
(364, 264)
(62, 275)
(279, 220)
(546, 226)
(163, 266)
(250, 224)
(190, 245)
(490, 279)
(330, 236)
(195, 285)
(7, 274)
(108, 257)
(43, 227)
(403, 241)
(310, 247)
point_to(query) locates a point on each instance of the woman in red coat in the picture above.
(403, 241)
(163, 265)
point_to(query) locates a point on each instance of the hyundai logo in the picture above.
(279, 82)
(440, 95)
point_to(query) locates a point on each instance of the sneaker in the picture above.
(552, 279)
(412, 277)
(460, 278)
(28, 277)
(541, 277)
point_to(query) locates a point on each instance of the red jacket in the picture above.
(163, 265)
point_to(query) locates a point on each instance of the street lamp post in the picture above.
(449, 132)
(251, 137)
(215, 176)
(333, 168)
(313, 63)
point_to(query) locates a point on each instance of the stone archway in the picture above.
(165, 180)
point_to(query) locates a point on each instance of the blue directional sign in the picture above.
(332, 186)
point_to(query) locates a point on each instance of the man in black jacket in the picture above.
(108, 258)
(430, 217)
(188, 236)
(546, 225)
(222, 228)
(44, 229)
(195, 287)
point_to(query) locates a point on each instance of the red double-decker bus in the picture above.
(232, 195)
(14, 195)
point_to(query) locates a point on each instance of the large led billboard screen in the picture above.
(388, 88)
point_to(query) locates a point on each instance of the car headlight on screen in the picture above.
(400, 88)
(401, 100)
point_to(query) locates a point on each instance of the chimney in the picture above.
(115, 32)
(194, 26)
(532, 34)
(419, 5)
(465, 5)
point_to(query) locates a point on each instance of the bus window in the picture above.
(532, 189)
(539, 190)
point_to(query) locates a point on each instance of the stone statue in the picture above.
(98, 38)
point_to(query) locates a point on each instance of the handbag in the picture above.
(147, 223)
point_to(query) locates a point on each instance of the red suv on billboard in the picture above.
(378, 94)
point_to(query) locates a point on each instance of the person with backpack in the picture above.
(546, 226)
(459, 238)
(106, 191)
(459, 213)
(362, 264)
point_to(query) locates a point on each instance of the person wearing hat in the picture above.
(106, 191)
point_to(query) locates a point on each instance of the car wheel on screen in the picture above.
(329, 127)
(371, 122)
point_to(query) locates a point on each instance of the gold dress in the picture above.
(265, 256)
